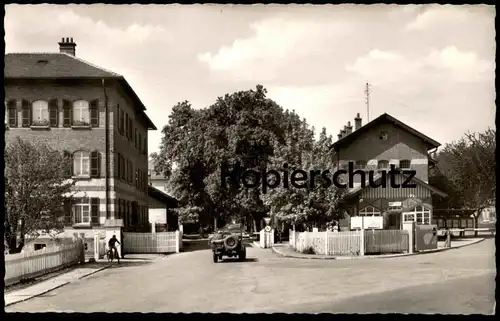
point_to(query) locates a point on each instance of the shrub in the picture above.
(309, 250)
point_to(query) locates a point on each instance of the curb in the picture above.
(94, 272)
(278, 252)
(36, 295)
(55, 287)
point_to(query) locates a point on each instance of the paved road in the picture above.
(459, 281)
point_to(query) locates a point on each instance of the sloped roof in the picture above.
(162, 197)
(378, 176)
(52, 65)
(64, 66)
(384, 119)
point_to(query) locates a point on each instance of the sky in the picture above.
(430, 66)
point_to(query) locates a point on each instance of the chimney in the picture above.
(67, 46)
(339, 135)
(357, 122)
(348, 128)
(342, 132)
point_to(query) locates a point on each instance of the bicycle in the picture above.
(110, 256)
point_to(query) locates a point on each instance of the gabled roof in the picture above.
(64, 66)
(378, 176)
(384, 119)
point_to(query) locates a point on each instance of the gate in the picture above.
(163, 242)
(426, 237)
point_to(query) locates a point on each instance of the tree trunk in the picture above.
(14, 246)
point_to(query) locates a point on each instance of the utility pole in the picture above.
(367, 101)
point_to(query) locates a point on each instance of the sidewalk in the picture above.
(285, 250)
(78, 272)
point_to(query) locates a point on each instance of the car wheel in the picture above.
(215, 258)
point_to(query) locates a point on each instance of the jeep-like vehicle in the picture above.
(228, 241)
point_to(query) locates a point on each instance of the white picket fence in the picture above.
(350, 243)
(163, 242)
(31, 263)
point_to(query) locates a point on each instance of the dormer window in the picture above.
(360, 164)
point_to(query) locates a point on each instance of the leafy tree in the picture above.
(467, 171)
(240, 127)
(35, 189)
(247, 128)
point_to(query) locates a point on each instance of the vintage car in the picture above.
(228, 241)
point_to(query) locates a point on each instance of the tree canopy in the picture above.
(249, 128)
(466, 170)
(35, 189)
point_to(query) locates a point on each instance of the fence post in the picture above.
(177, 245)
(96, 247)
(326, 243)
(362, 242)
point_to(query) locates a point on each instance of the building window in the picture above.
(419, 215)
(383, 164)
(81, 164)
(360, 164)
(81, 113)
(40, 113)
(404, 164)
(369, 211)
(81, 210)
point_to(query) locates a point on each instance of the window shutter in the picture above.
(121, 121)
(66, 113)
(95, 210)
(26, 106)
(94, 113)
(119, 165)
(12, 106)
(68, 212)
(53, 113)
(126, 125)
(95, 162)
(123, 168)
(135, 140)
(118, 117)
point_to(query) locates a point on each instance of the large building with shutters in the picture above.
(93, 116)
(383, 142)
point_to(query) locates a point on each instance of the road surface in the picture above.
(458, 281)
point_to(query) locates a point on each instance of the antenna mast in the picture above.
(367, 101)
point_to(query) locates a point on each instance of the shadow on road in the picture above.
(238, 261)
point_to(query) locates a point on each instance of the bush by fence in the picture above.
(350, 242)
(30, 263)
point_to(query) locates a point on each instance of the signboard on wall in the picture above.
(158, 215)
(367, 222)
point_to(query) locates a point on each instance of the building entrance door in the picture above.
(394, 221)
